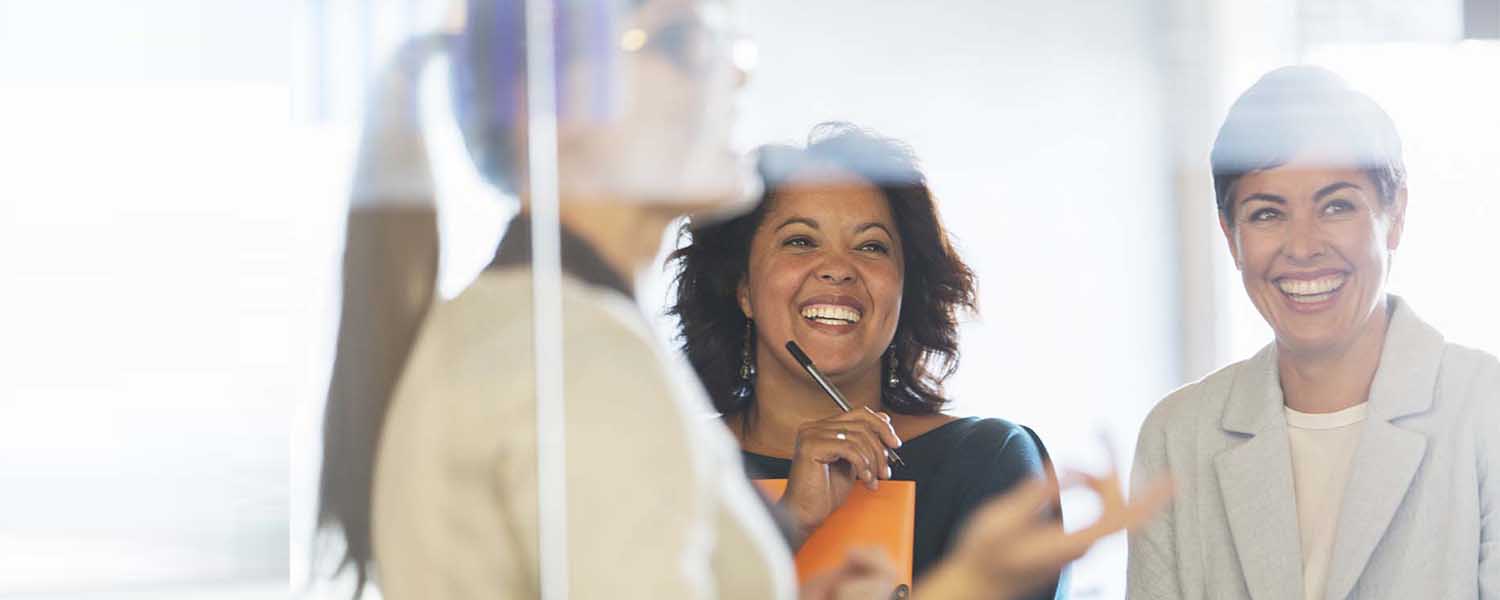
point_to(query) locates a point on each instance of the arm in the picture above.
(1004, 550)
(640, 518)
(1152, 570)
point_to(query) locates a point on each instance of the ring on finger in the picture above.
(843, 434)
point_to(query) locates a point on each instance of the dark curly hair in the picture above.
(937, 284)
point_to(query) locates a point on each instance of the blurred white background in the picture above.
(173, 177)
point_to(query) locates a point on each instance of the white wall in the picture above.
(150, 218)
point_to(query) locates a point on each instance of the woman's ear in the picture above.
(1396, 220)
(1234, 249)
(742, 294)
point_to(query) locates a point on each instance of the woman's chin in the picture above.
(837, 366)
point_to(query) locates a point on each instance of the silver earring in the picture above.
(892, 380)
(744, 388)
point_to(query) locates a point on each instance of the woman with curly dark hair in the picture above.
(845, 254)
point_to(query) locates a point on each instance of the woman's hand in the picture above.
(1007, 550)
(830, 455)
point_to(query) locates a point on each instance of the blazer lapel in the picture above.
(1256, 480)
(1388, 456)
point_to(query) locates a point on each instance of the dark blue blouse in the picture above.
(956, 467)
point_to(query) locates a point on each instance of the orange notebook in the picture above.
(884, 519)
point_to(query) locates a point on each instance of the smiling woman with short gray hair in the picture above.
(1354, 456)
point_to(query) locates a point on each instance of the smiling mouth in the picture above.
(830, 314)
(1309, 291)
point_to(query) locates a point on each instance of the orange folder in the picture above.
(883, 519)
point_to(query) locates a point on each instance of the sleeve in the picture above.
(1489, 484)
(1018, 455)
(640, 521)
(1152, 560)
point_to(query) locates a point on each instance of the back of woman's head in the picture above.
(1311, 114)
(937, 285)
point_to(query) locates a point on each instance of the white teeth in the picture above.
(1315, 290)
(831, 314)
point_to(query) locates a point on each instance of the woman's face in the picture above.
(1313, 245)
(826, 270)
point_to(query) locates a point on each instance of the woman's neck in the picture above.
(786, 399)
(1336, 379)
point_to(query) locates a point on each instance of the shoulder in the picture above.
(474, 359)
(996, 432)
(996, 442)
(1194, 401)
(1463, 362)
(601, 328)
(1474, 377)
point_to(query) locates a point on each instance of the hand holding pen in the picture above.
(830, 455)
(833, 392)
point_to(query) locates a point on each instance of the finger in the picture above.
(882, 425)
(1012, 511)
(1144, 504)
(876, 448)
(1118, 515)
(862, 567)
(869, 560)
(830, 449)
(865, 418)
(868, 573)
(819, 587)
(868, 446)
(1106, 487)
(819, 442)
(1049, 549)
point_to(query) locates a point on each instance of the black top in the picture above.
(578, 258)
(956, 467)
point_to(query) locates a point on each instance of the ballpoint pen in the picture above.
(833, 392)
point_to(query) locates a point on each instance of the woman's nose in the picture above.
(1305, 242)
(836, 272)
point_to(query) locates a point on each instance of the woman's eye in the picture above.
(1337, 207)
(1264, 214)
(875, 247)
(798, 242)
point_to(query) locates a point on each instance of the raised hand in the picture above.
(1007, 550)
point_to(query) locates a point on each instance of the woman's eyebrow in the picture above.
(1334, 187)
(1264, 197)
(803, 220)
(874, 225)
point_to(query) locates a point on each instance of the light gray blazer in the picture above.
(1421, 510)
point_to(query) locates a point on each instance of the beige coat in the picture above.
(1421, 512)
(659, 506)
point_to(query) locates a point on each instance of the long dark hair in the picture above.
(389, 274)
(937, 284)
(391, 245)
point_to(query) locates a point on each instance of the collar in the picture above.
(579, 259)
(1403, 385)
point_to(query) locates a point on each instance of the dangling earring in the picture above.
(892, 380)
(745, 387)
